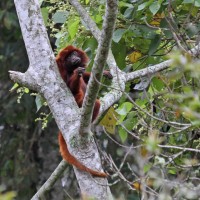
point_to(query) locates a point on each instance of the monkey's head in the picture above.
(70, 58)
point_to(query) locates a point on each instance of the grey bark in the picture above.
(43, 76)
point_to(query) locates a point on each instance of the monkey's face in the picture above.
(73, 60)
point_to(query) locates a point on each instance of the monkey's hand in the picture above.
(107, 74)
(80, 71)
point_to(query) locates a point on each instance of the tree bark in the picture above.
(43, 76)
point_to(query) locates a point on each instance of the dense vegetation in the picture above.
(153, 138)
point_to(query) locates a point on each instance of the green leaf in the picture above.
(98, 18)
(123, 4)
(39, 100)
(26, 90)
(122, 134)
(87, 2)
(158, 84)
(40, 2)
(197, 3)
(125, 108)
(119, 51)
(141, 102)
(129, 124)
(172, 170)
(45, 15)
(128, 13)
(60, 17)
(142, 6)
(118, 34)
(8, 195)
(147, 167)
(73, 25)
(154, 44)
(154, 7)
(89, 46)
(16, 85)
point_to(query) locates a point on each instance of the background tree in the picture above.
(155, 149)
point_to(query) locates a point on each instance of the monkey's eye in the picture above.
(74, 53)
(71, 55)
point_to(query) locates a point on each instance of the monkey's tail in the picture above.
(73, 161)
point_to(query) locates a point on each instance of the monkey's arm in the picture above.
(75, 81)
(86, 75)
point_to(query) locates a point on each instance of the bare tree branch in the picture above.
(118, 82)
(95, 31)
(181, 148)
(51, 180)
(99, 63)
(43, 76)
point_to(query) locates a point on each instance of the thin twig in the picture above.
(51, 180)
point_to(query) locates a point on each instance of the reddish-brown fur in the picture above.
(76, 79)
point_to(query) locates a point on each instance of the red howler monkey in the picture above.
(72, 63)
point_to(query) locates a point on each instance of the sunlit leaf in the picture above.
(124, 108)
(147, 167)
(109, 121)
(154, 7)
(172, 170)
(8, 195)
(73, 25)
(142, 6)
(134, 56)
(26, 90)
(16, 85)
(137, 186)
(87, 2)
(45, 14)
(197, 3)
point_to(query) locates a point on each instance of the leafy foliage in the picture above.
(24, 148)
(158, 115)
(155, 137)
